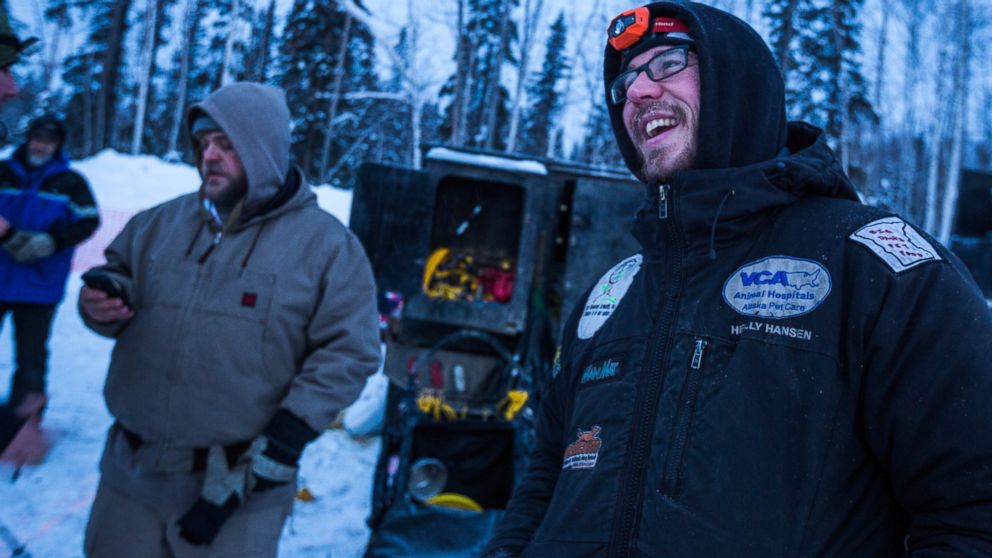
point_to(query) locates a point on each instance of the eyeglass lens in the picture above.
(662, 66)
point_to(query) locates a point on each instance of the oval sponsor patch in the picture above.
(777, 287)
(606, 296)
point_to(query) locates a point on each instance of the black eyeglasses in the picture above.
(663, 66)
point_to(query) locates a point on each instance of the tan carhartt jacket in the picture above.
(274, 309)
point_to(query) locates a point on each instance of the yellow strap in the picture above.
(514, 401)
(436, 258)
(434, 405)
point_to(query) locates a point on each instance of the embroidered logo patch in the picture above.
(896, 243)
(609, 291)
(584, 452)
(777, 287)
(602, 371)
(249, 299)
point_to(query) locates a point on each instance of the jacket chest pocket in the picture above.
(228, 293)
(228, 328)
(240, 295)
(593, 446)
(698, 363)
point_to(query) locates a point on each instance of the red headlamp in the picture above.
(628, 28)
(631, 26)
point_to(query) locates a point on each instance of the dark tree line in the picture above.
(894, 93)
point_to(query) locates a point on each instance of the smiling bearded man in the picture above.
(792, 373)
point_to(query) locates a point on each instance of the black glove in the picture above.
(200, 525)
(285, 438)
(270, 461)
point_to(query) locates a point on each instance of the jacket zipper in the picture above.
(180, 357)
(630, 494)
(210, 249)
(683, 421)
(663, 201)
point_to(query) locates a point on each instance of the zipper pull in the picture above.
(663, 201)
(697, 354)
(213, 244)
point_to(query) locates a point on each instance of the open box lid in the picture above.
(391, 212)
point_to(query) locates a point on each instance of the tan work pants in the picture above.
(136, 509)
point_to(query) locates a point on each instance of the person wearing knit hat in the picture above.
(794, 373)
(46, 209)
(245, 320)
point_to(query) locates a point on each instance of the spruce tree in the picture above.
(491, 36)
(211, 40)
(310, 55)
(598, 145)
(259, 55)
(833, 83)
(545, 107)
(94, 77)
(785, 34)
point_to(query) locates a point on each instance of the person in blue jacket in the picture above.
(46, 209)
(780, 370)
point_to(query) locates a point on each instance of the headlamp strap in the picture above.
(668, 25)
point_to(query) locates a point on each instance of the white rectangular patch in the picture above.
(896, 243)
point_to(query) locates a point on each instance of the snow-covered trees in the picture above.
(545, 95)
(326, 53)
(904, 98)
(93, 75)
(818, 45)
(478, 101)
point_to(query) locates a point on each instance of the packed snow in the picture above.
(45, 508)
(488, 161)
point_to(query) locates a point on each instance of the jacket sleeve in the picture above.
(928, 403)
(121, 255)
(526, 509)
(343, 337)
(85, 215)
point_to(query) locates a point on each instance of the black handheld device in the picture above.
(102, 281)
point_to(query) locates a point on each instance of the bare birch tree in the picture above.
(464, 48)
(493, 101)
(532, 17)
(909, 160)
(334, 97)
(106, 102)
(961, 80)
(843, 91)
(939, 132)
(227, 72)
(415, 80)
(148, 58)
(578, 58)
(190, 26)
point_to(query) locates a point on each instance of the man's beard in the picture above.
(655, 169)
(37, 161)
(227, 197)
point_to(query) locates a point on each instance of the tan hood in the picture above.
(256, 119)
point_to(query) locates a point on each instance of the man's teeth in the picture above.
(654, 127)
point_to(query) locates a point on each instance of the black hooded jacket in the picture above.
(781, 371)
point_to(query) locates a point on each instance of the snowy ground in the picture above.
(46, 508)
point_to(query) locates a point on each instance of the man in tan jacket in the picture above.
(245, 320)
